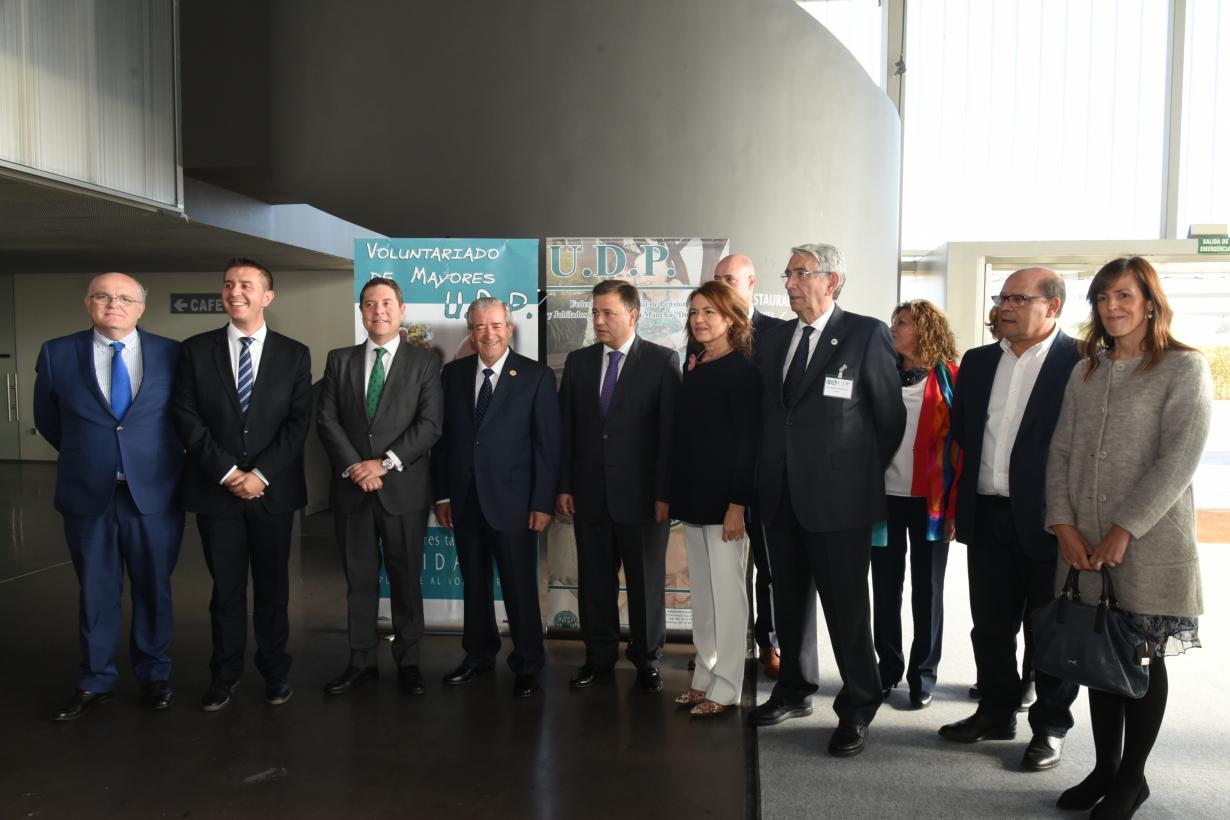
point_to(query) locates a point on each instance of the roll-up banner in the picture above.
(665, 271)
(439, 279)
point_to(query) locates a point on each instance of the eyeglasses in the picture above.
(107, 298)
(802, 273)
(1014, 299)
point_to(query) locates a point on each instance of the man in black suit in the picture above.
(738, 272)
(243, 401)
(378, 416)
(833, 418)
(496, 469)
(618, 403)
(1004, 411)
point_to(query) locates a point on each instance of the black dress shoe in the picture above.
(351, 679)
(978, 727)
(157, 695)
(848, 739)
(410, 681)
(773, 711)
(218, 695)
(464, 674)
(888, 690)
(1042, 753)
(1085, 794)
(586, 676)
(525, 685)
(80, 703)
(650, 680)
(278, 692)
(1121, 803)
(920, 699)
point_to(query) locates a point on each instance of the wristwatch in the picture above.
(388, 464)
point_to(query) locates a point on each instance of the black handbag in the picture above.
(1095, 646)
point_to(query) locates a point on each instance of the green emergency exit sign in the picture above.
(1213, 244)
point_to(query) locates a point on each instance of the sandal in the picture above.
(708, 708)
(690, 698)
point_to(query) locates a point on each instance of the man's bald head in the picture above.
(738, 272)
(1041, 294)
(115, 302)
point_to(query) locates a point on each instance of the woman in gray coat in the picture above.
(1119, 493)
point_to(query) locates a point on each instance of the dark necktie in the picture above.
(245, 373)
(375, 384)
(798, 367)
(608, 381)
(484, 398)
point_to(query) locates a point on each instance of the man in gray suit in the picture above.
(380, 412)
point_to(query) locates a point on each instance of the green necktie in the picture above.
(375, 385)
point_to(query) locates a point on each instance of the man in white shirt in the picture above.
(380, 412)
(1007, 401)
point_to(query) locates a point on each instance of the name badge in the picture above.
(838, 387)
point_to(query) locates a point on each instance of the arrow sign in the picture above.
(196, 304)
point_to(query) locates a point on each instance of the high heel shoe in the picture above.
(1114, 807)
(1085, 794)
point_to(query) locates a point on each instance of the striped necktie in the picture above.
(245, 373)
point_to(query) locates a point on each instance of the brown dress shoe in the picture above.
(771, 659)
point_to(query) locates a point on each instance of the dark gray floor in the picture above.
(476, 752)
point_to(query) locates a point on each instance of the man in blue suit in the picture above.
(495, 470)
(1003, 414)
(102, 399)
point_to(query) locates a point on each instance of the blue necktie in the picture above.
(484, 398)
(608, 381)
(245, 373)
(121, 394)
(121, 385)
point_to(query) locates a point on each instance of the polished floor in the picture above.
(612, 751)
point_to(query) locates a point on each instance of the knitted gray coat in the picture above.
(1125, 448)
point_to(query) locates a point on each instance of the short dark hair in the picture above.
(628, 294)
(245, 262)
(381, 280)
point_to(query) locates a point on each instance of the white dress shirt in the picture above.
(234, 347)
(1014, 382)
(821, 322)
(606, 360)
(131, 354)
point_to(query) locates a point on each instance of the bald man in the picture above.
(738, 272)
(1004, 411)
(102, 398)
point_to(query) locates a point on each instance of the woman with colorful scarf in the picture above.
(921, 487)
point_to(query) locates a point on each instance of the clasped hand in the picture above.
(245, 485)
(1077, 552)
(366, 475)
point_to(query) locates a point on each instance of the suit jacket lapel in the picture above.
(355, 364)
(222, 360)
(85, 356)
(1048, 381)
(830, 340)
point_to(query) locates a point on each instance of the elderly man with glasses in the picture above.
(833, 417)
(102, 398)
